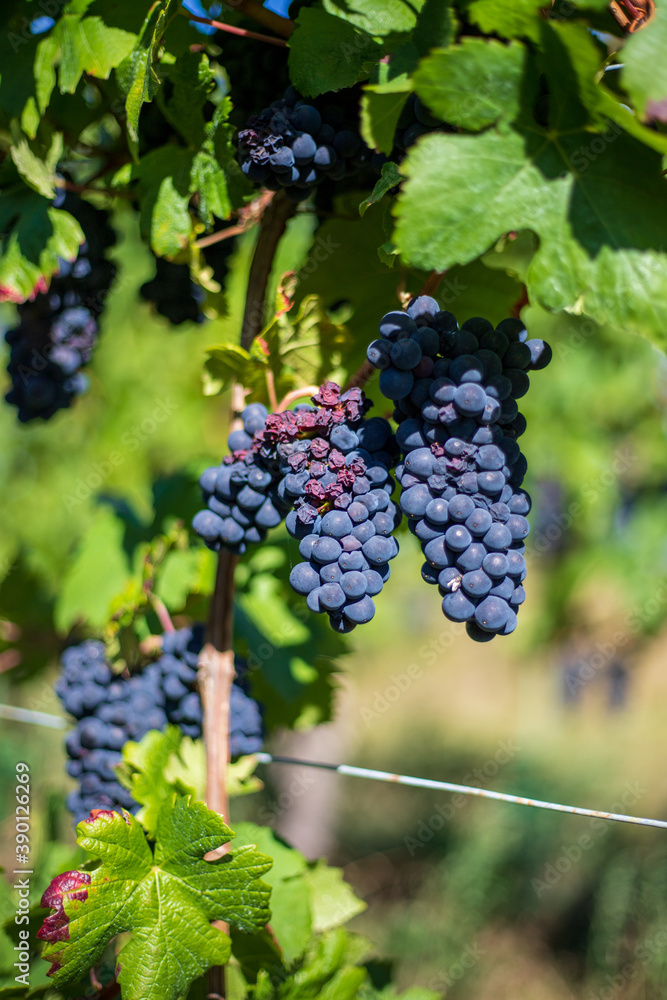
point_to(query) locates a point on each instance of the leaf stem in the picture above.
(431, 284)
(291, 397)
(271, 390)
(160, 609)
(231, 29)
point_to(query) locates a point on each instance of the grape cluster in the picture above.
(325, 469)
(297, 143)
(343, 516)
(455, 393)
(111, 710)
(241, 493)
(172, 291)
(58, 329)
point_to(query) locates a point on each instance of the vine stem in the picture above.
(274, 222)
(231, 29)
(216, 660)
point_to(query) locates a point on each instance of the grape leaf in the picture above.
(333, 899)
(142, 773)
(164, 189)
(290, 894)
(600, 237)
(389, 179)
(136, 73)
(386, 18)
(166, 895)
(473, 84)
(381, 106)
(327, 53)
(34, 236)
(85, 592)
(435, 27)
(644, 75)
(516, 20)
(88, 45)
(38, 171)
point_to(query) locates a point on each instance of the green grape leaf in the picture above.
(164, 190)
(33, 237)
(296, 650)
(290, 894)
(85, 592)
(387, 18)
(473, 84)
(88, 45)
(165, 895)
(332, 899)
(435, 28)
(580, 94)
(228, 363)
(39, 171)
(136, 73)
(327, 53)
(644, 73)
(144, 772)
(516, 20)
(381, 106)
(600, 240)
(390, 178)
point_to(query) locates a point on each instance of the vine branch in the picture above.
(274, 222)
(216, 661)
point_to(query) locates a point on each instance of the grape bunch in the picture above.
(343, 516)
(241, 494)
(297, 143)
(58, 329)
(110, 710)
(455, 394)
(172, 291)
(324, 468)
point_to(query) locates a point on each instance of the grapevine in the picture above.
(310, 198)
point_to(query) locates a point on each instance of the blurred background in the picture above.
(472, 898)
